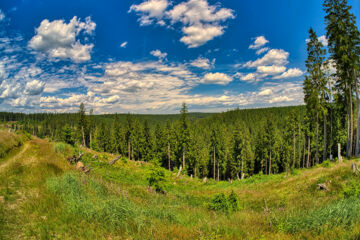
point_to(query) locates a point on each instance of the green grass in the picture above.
(43, 197)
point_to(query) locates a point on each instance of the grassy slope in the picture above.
(43, 197)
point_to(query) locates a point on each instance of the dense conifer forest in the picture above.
(239, 143)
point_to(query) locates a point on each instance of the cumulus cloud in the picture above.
(270, 70)
(203, 63)
(150, 11)
(60, 40)
(290, 73)
(199, 21)
(259, 42)
(265, 92)
(323, 40)
(157, 53)
(277, 57)
(262, 50)
(34, 87)
(216, 78)
(123, 45)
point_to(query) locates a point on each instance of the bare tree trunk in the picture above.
(169, 160)
(90, 139)
(129, 151)
(214, 169)
(303, 163)
(325, 138)
(308, 154)
(294, 148)
(83, 136)
(218, 171)
(348, 134)
(317, 138)
(183, 158)
(351, 122)
(242, 168)
(194, 171)
(357, 118)
(270, 163)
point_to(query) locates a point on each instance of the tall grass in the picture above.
(344, 212)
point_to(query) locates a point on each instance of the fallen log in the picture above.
(114, 160)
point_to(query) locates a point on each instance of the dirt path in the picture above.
(13, 159)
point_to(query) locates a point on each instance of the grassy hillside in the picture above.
(42, 196)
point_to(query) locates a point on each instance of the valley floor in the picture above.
(42, 196)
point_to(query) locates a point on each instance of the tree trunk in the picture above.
(303, 163)
(351, 121)
(90, 139)
(325, 138)
(218, 171)
(214, 169)
(183, 158)
(242, 168)
(347, 134)
(357, 118)
(270, 163)
(317, 138)
(308, 154)
(83, 136)
(294, 148)
(339, 153)
(129, 150)
(169, 160)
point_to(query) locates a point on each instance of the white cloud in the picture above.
(60, 40)
(216, 78)
(150, 10)
(124, 44)
(323, 40)
(259, 42)
(203, 63)
(265, 92)
(34, 87)
(290, 73)
(2, 15)
(199, 21)
(262, 50)
(270, 70)
(280, 99)
(276, 57)
(157, 53)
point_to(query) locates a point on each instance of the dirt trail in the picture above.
(13, 159)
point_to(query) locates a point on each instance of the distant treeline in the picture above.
(233, 144)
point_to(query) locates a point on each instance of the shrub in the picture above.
(225, 204)
(220, 203)
(157, 179)
(326, 164)
(234, 201)
(352, 190)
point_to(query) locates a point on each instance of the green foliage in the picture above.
(157, 179)
(326, 164)
(351, 190)
(225, 204)
(234, 202)
(220, 203)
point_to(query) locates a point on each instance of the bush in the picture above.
(157, 179)
(351, 190)
(225, 204)
(234, 202)
(326, 164)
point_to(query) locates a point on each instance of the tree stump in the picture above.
(322, 186)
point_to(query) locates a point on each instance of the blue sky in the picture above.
(149, 56)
